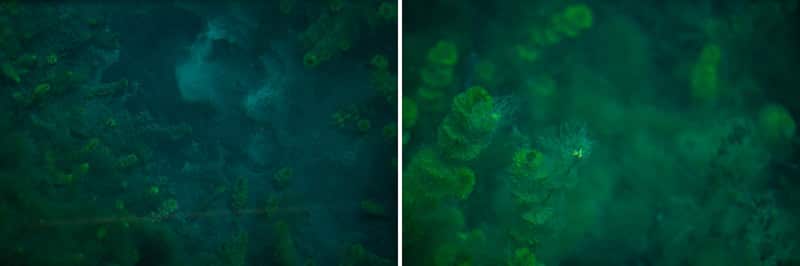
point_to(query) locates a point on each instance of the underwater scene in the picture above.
(598, 132)
(225, 133)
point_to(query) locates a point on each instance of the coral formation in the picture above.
(469, 126)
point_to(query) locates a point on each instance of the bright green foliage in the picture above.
(429, 179)
(469, 126)
(705, 74)
(776, 124)
(443, 53)
(410, 112)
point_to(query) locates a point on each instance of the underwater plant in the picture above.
(469, 126)
(430, 179)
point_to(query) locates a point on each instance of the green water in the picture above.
(600, 133)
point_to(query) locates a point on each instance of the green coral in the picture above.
(439, 72)
(568, 23)
(428, 178)
(468, 128)
(443, 53)
(573, 20)
(526, 162)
